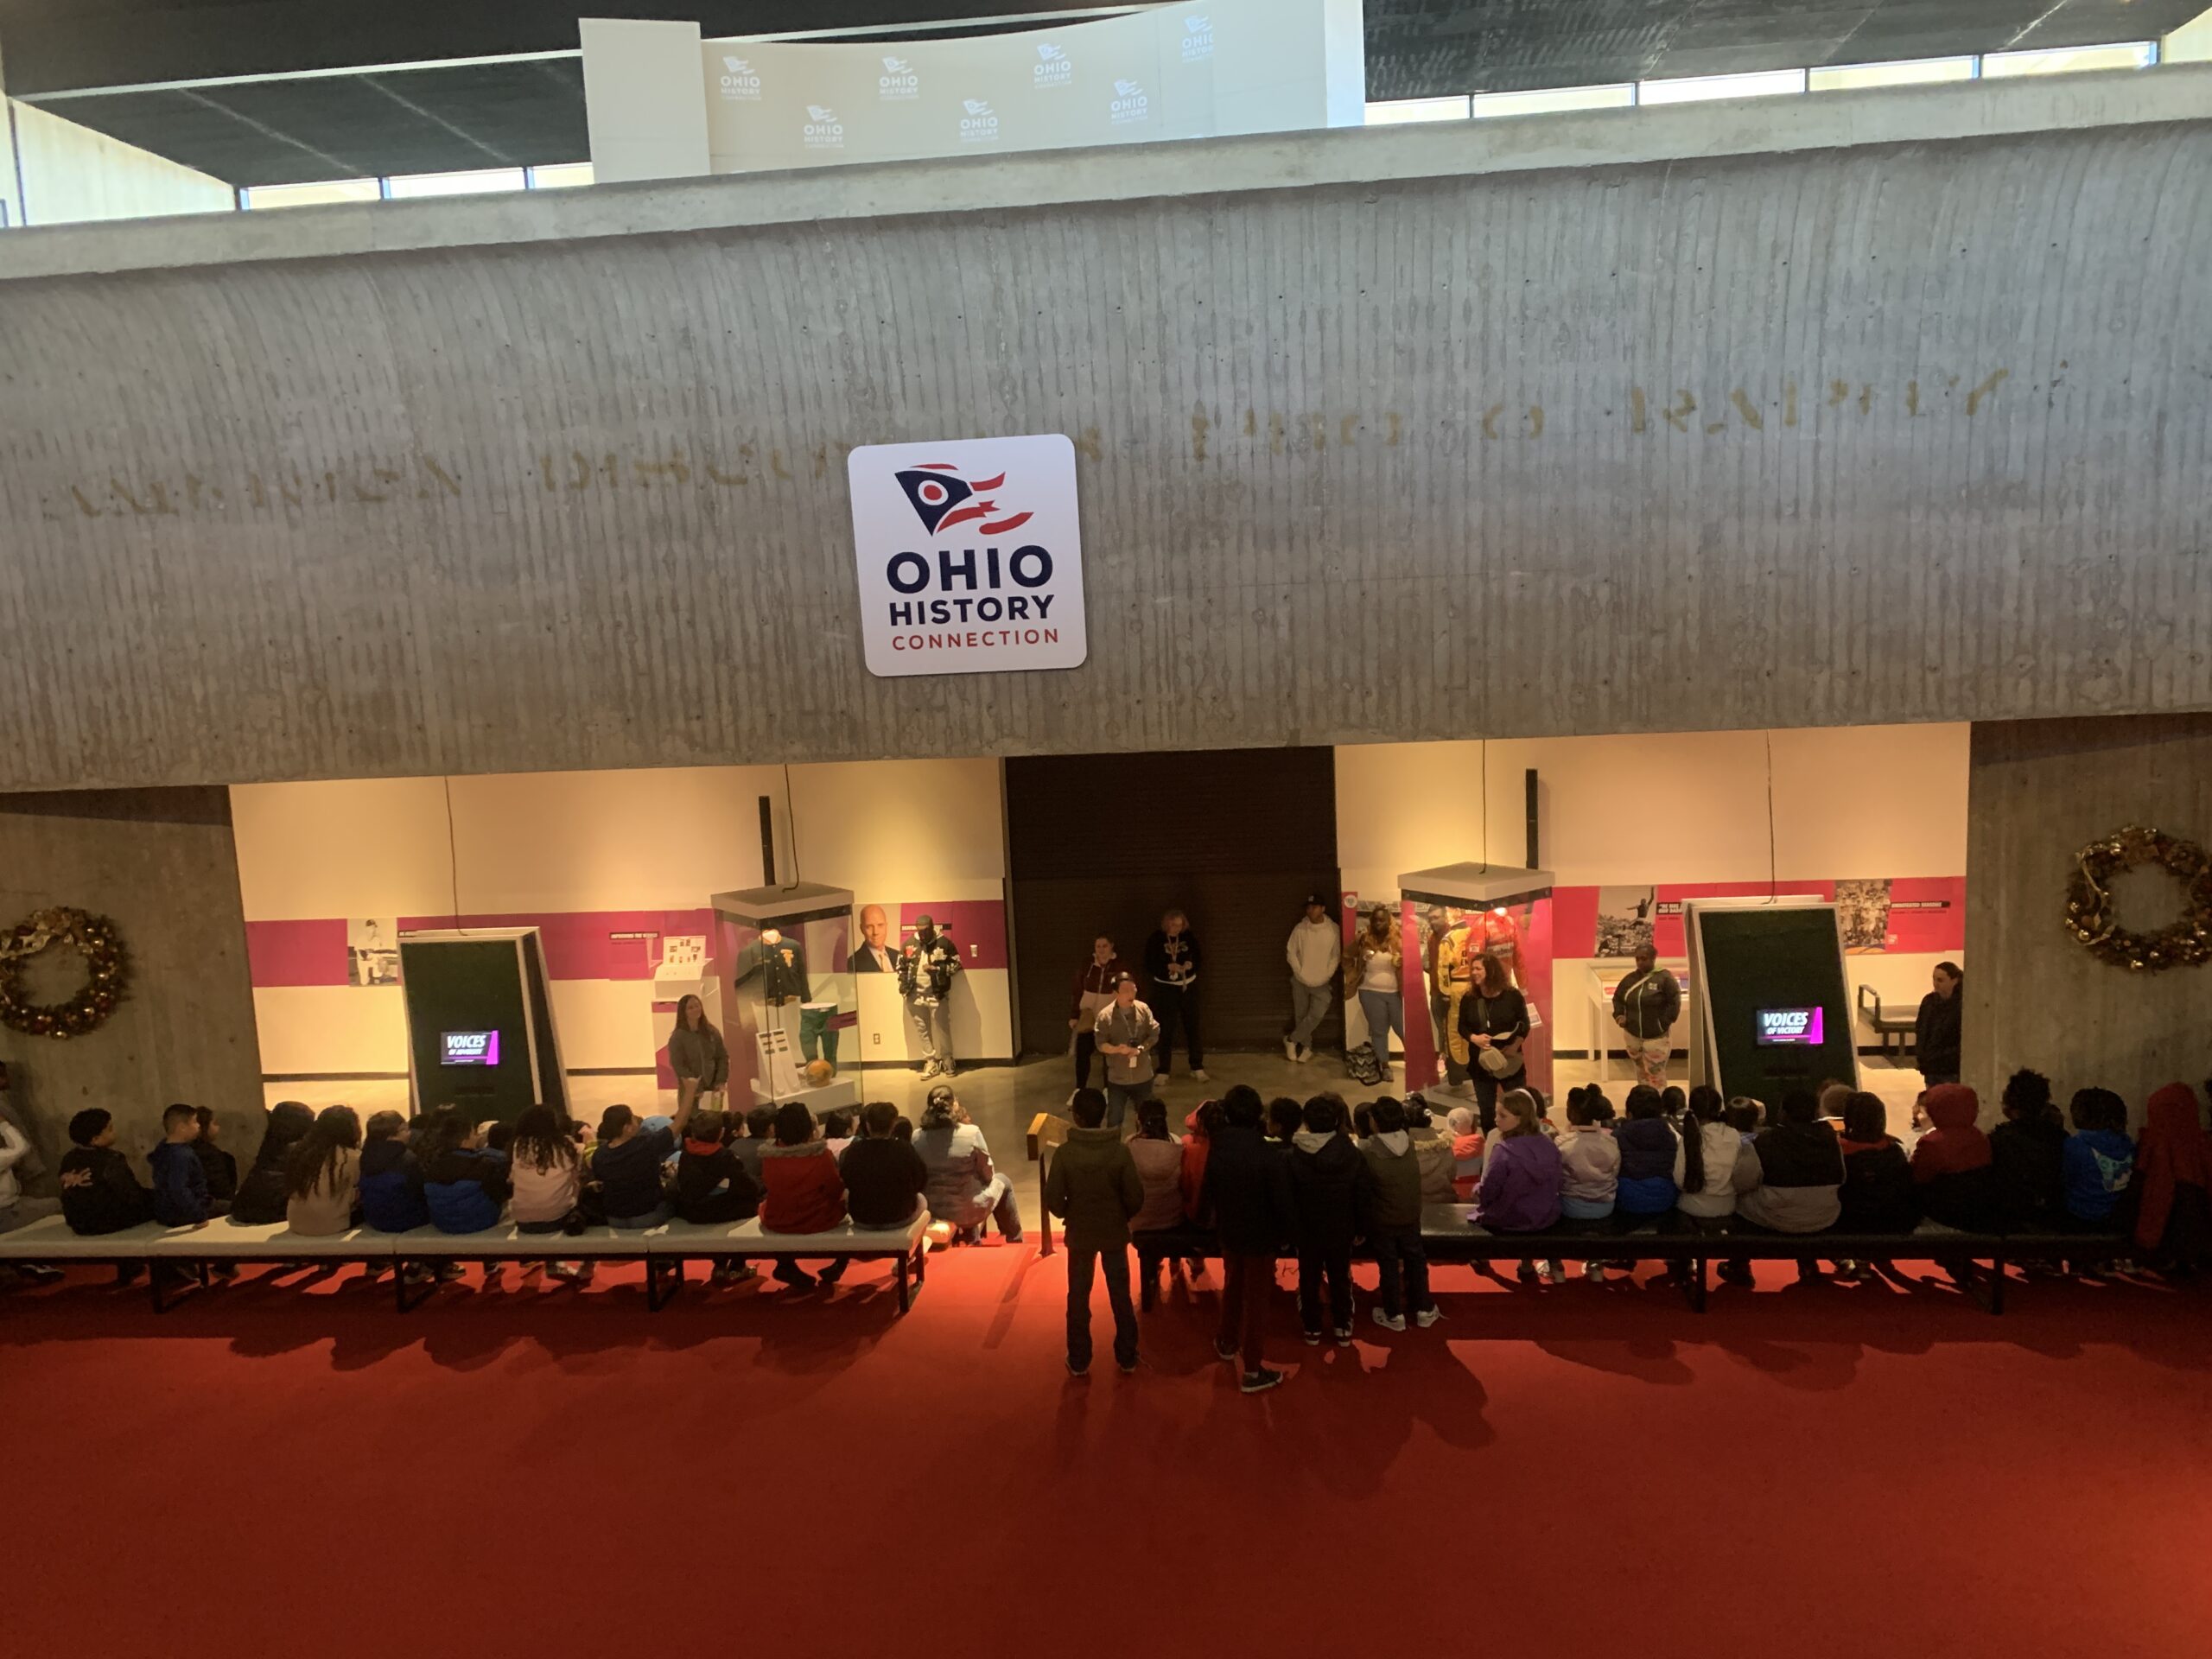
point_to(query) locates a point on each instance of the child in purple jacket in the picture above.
(1519, 1189)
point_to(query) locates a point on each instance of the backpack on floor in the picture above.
(1362, 1066)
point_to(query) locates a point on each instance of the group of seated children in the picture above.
(323, 1174)
(1702, 1164)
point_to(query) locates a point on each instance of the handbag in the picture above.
(1363, 1064)
(1496, 1061)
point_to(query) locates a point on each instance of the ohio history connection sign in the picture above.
(969, 556)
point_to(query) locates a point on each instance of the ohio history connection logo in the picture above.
(969, 556)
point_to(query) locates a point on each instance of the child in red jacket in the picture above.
(806, 1192)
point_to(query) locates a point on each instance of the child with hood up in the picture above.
(2173, 1184)
(262, 1197)
(1390, 1215)
(1952, 1165)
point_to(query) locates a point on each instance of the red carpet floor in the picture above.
(1801, 1472)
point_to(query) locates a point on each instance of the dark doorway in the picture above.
(1238, 837)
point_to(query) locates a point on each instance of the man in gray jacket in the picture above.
(1126, 1032)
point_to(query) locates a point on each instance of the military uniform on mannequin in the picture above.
(775, 964)
(926, 965)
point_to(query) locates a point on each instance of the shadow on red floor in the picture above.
(1804, 1470)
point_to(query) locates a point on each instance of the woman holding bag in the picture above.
(1494, 1020)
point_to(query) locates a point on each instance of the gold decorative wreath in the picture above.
(2184, 943)
(106, 973)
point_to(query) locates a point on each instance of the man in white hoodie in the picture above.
(1316, 948)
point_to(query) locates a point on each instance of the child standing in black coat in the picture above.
(1325, 1171)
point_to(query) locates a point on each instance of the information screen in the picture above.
(1800, 1026)
(470, 1048)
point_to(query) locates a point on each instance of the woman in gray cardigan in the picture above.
(696, 1054)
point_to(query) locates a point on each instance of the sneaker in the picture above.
(790, 1272)
(1344, 1336)
(930, 1069)
(1313, 1338)
(1731, 1273)
(945, 1072)
(226, 1272)
(1199, 1075)
(1389, 1322)
(1078, 1371)
(583, 1275)
(1303, 1055)
(1261, 1381)
(1226, 1349)
(491, 1274)
(1529, 1273)
(1554, 1273)
(560, 1269)
(735, 1274)
(1428, 1317)
(1129, 1367)
(45, 1273)
(1289, 1049)
(449, 1271)
(1594, 1272)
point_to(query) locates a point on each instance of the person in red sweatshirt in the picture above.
(1952, 1164)
(1202, 1125)
(806, 1192)
(2173, 1184)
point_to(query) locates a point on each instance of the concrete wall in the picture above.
(162, 864)
(2039, 791)
(1905, 428)
(71, 174)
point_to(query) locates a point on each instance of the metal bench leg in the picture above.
(1997, 1283)
(906, 1291)
(399, 1285)
(154, 1286)
(1693, 1286)
(655, 1299)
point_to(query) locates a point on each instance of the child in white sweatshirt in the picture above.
(1589, 1166)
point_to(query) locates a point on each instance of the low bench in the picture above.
(663, 1250)
(1450, 1234)
(1893, 1031)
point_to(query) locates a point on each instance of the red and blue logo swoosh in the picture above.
(942, 499)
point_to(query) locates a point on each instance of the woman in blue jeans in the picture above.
(1375, 972)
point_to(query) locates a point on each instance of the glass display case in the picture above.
(780, 954)
(1452, 918)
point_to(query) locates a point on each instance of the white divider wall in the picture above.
(1186, 71)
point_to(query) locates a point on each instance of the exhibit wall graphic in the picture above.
(1189, 71)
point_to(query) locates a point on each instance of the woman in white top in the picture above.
(1375, 972)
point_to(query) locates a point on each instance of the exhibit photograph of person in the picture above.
(873, 954)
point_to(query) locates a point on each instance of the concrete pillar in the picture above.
(2037, 793)
(163, 864)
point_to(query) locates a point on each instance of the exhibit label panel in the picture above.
(969, 555)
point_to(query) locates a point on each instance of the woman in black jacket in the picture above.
(1494, 1018)
(1935, 1031)
(262, 1196)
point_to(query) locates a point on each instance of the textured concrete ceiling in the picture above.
(478, 115)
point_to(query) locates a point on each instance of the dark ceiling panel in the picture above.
(532, 113)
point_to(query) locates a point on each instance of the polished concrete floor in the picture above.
(1004, 1098)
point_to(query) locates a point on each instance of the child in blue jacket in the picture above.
(2099, 1164)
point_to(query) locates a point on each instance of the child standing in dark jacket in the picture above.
(1390, 1216)
(1326, 1174)
(1092, 1185)
(1247, 1189)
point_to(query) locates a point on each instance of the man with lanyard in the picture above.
(1645, 1006)
(1171, 960)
